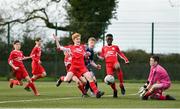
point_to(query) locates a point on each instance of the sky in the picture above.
(133, 27)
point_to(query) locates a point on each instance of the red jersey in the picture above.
(110, 53)
(16, 58)
(36, 53)
(78, 53)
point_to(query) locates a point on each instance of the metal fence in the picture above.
(157, 37)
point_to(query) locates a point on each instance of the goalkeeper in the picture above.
(158, 82)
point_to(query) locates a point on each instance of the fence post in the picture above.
(152, 39)
(56, 53)
(8, 37)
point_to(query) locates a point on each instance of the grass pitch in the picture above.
(68, 96)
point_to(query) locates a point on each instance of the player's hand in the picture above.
(98, 55)
(55, 37)
(32, 56)
(16, 68)
(87, 54)
(126, 62)
(98, 67)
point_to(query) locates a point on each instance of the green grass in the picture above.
(68, 96)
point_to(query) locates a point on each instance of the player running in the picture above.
(37, 69)
(89, 62)
(158, 81)
(110, 54)
(78, 67)
(15, 60)
(67, 62)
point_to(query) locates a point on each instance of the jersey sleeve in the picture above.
(11, 57)
(121, 54)
(151, 77)
(102, 53)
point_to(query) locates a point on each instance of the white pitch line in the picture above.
(53, 99)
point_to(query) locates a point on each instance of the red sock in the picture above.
(93, 87)
(33, 88)
(28, 85)
(148, 93)
(81, 88)
(113, 86)
(120, 77)
(33, 79)
(161, 97)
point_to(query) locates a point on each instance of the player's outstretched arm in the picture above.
(121, 54)
(98, 66)
(26, 57)
(57, 41)
(59, 46)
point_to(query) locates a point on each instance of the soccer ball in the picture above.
(109, 79)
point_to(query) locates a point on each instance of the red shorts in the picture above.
(110, 68)
(37, 68)
(78, 71)
(21, 73)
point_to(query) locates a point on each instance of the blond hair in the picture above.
(92, 39)
(75, 35)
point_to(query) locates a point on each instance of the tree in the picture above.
(2, 30)
(90, 17)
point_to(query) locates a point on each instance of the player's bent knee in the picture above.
(67, 79)
(44, 74)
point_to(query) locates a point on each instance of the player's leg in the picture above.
(87, 86)
(66, 78)
(17, 81)
(32, 86)
(95, 80)
(80, 85)
(157, 95)
(92, 84)
(158, 92)
(13, 82)
(35, 77)
(110, 71)
(37, 71)
(61, 78)
(119, 72)
(153, 89)
(25, 75)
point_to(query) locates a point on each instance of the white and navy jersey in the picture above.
(90, 58)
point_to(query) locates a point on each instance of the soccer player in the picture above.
(37, 69)
(78, 67)
(89, 61)
(67, 62)
(15, 60)
(110, 54)
(158, 81)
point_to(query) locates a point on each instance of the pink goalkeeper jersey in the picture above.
(158, 75)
